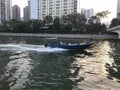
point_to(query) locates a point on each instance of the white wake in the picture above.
(29, 47)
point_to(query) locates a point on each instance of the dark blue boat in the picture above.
(69, 46)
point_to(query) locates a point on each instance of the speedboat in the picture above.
(69, 45)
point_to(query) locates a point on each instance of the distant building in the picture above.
(16, 12)
(118, 8)
(5, 10)
(87, 12)
(26, 14)
(29, 9)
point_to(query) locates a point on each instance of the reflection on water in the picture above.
(91, 73)
(25, 64)
(114, 67)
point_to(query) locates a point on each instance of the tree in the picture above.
(56, 23)
(27, 27)
(34, 25)
(102, 14)
(94, 20)
(48, 20)
(76, 20)
(115, 22)
(64, 19)
(118, 15)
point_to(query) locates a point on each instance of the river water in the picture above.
(25, 64)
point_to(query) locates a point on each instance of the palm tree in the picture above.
(102, 14)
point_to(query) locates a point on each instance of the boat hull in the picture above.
(71, 46)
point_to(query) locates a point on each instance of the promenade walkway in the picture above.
(104, 36)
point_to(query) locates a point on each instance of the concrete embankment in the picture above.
(104, 36)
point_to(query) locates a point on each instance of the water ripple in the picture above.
(17, 70)
(91, 73)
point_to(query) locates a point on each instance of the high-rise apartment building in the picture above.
(118, 8)
(8, 10)
(29, 9)
(87, 12)
(55, 8)
(33, 9)
(5, 10)
(16, 12)
(26, 14)
(0, 12)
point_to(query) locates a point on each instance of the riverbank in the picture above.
(93, 36)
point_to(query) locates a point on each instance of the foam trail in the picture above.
(28, 47)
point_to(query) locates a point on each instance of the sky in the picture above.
(97, 5)
(101, 5)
